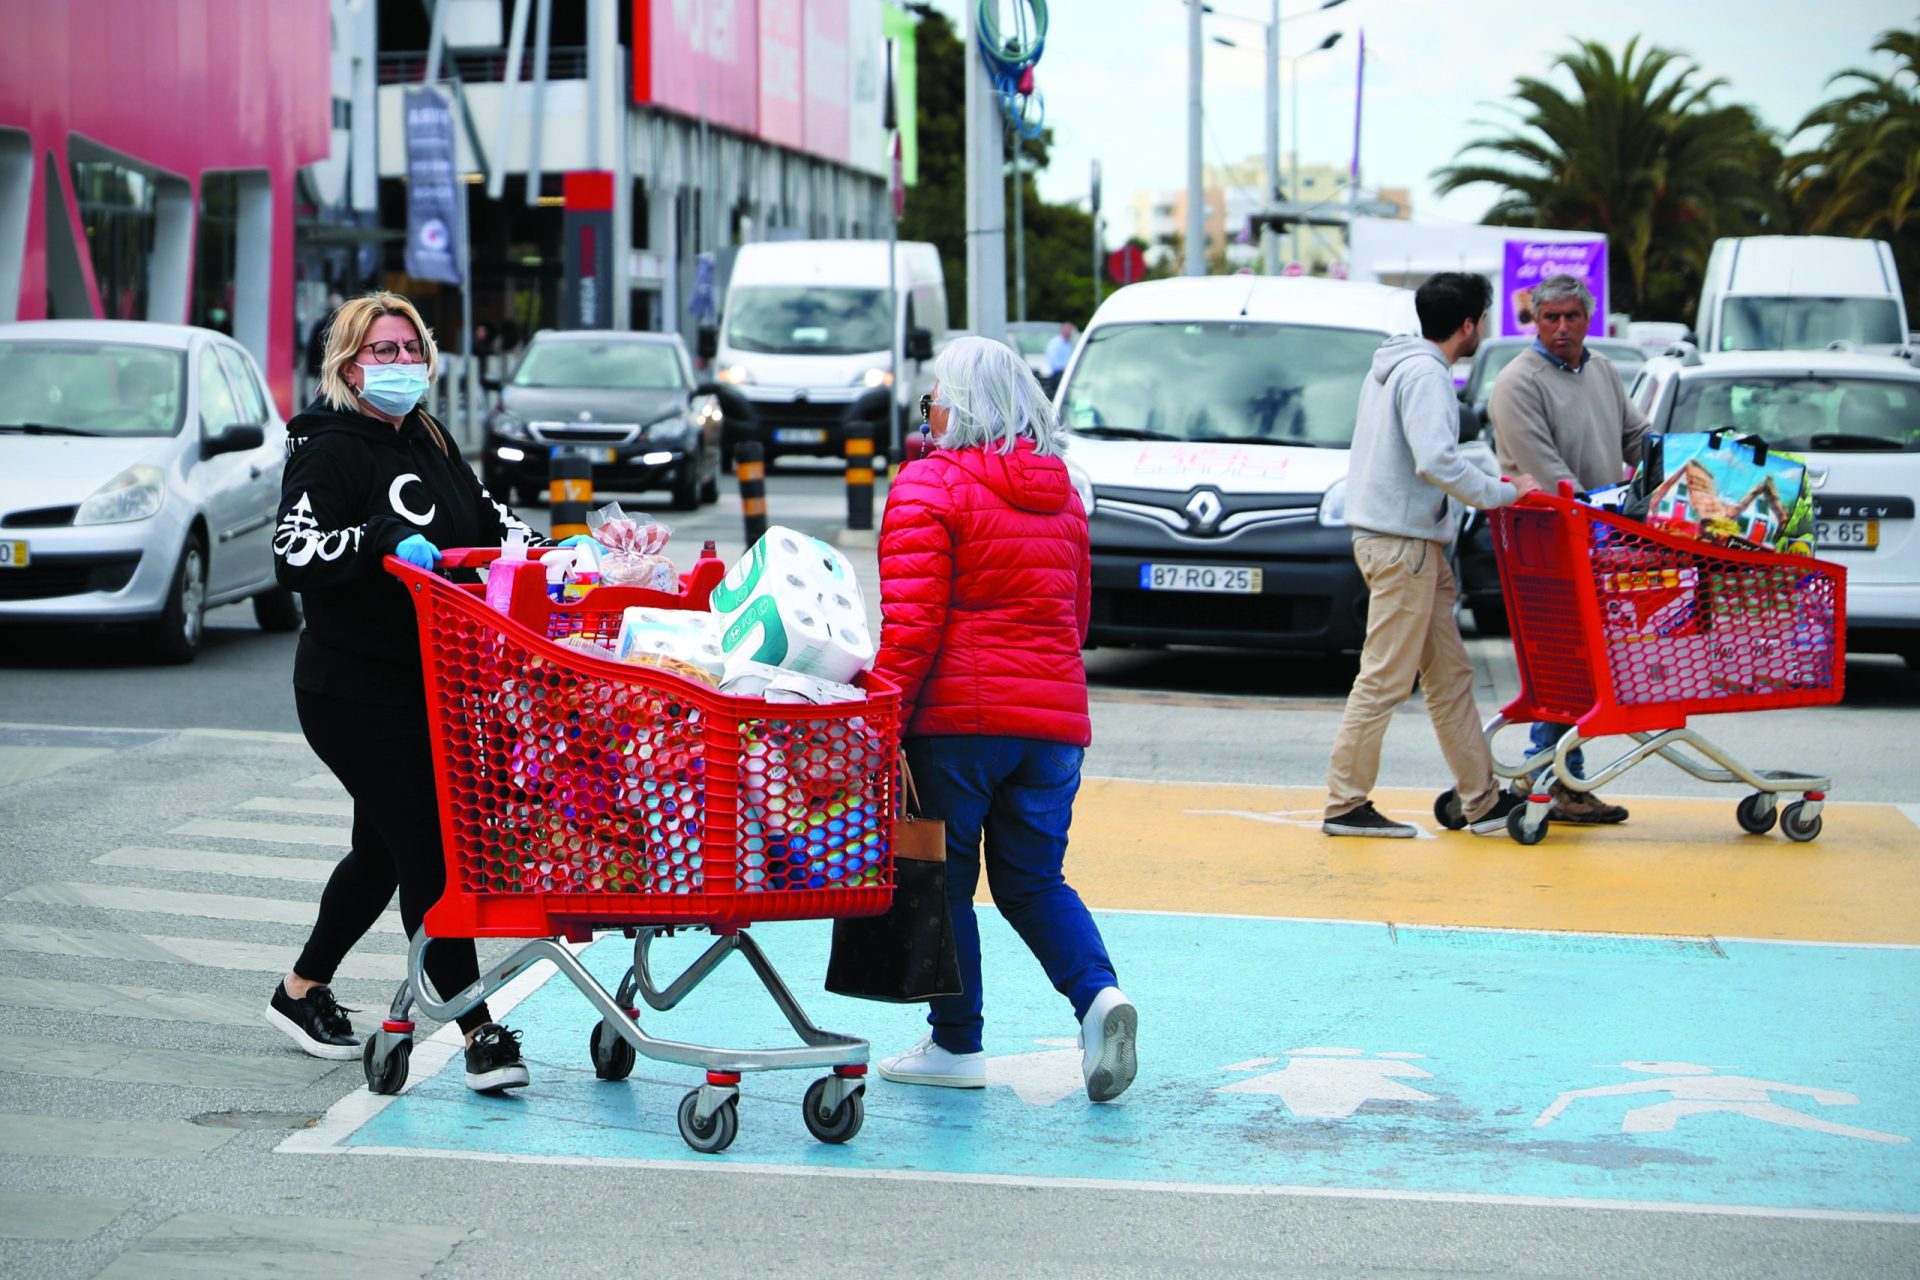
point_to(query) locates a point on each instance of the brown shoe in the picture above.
(1584, 808)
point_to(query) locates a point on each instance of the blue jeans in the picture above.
(1546, 736)
(1018, 794)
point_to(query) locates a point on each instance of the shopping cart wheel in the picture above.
(1447, 811)
(843, 1123)
(718, 1133)
(1757, 814)
(612, 1055)
(386, 1072)
(1794, 827)
(1520, 830)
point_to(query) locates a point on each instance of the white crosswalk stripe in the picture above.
(269, 832)
(211, 862)
(175, 902)
(326, 806)
(155, 948)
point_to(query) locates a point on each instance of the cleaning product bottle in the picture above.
(517, 586)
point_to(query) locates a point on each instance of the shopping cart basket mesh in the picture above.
(627, 793)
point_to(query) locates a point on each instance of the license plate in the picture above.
(800, 435)
(1200, 577)
(1847, 535)
(13, 555)
(592, 453)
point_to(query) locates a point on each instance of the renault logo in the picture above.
(1203, 510)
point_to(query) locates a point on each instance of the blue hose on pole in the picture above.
(1010, 62)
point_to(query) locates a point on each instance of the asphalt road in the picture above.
(138, 1133)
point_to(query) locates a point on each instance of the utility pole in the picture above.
(1093, 207)
(1019, 227)
(986, 194)
(1196, 187)
(1269, 238)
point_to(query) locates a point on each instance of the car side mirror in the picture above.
(919, 344)
(1470, 423)
(708, 341)
(235, 439)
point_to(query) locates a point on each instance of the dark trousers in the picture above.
(1015, 795)
(383, 758)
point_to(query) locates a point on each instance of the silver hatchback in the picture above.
(139, 475)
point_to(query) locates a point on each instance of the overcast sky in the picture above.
(1114, 74)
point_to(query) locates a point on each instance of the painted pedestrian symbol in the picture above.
(1332, 1084)
(1697, 1090)
(1040, 1079)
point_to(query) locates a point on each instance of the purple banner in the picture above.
(1527, 262)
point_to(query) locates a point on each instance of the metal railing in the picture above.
(564, 62)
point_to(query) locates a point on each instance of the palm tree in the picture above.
(1863, 179)
(1639, 150)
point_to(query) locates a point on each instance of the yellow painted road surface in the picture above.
(1678, 866)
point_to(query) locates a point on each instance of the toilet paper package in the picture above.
(793, 602)
(669, 636)
(749, 679)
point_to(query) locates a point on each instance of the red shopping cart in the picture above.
(580, 794)
(1620, 629)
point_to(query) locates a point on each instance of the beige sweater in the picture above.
(1553, 424)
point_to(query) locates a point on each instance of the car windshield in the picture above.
(1221, 381)
(793, 320)
(1801, 324)
(1493, 359)
(1031, 342)
(92, 388)
(601, 366)
(1626, 358)
(1802, 413)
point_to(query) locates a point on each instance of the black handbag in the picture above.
(905, 955)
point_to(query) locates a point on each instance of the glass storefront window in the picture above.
(116, 208)
(216, 256)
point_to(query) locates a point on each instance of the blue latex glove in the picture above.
(418, 552)
(579, 538)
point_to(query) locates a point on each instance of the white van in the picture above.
(1798, 293)
(1214, 418)
(804, 340)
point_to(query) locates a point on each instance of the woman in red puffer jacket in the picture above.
(985, 587)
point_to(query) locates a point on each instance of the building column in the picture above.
(16, 202)
(170, 269)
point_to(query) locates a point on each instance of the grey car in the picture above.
(628, 401)
(139, 475)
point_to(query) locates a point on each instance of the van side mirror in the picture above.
(708, 341)
(919, 344)
(235, 439)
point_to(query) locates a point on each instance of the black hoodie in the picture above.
(354, 489)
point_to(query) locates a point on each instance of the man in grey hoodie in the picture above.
(1404, 476)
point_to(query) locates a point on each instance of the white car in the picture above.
(1856, 420)
(139, 475)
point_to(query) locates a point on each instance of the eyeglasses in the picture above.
(926, 407)
(388, 352)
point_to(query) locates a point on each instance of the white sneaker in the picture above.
(1107, 1033)
(928, 1063)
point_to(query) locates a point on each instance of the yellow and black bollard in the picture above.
(751, 471)
(570, 491)
(859, 474)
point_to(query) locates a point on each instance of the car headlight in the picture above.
(671, 425)
(1333, 507)
(734, 375)
(135, 494)
(875, 378)
(505, 424)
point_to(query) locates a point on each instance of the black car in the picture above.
(627, 400)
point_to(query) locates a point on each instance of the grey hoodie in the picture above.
(1406, 459)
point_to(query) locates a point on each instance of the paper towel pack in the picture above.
(749, 679)
(793, 602)
(685, 635)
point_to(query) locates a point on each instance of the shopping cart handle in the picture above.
(468, 557)
(1566, 489)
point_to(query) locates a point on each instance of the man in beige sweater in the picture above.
(1560, 413)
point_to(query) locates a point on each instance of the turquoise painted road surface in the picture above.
(1291, 1054)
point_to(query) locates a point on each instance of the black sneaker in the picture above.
(1494, 821)
(1367, 821)
(493, 1060)
(316, 1022)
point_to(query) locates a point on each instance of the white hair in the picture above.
(992, 398)
(1562, 288)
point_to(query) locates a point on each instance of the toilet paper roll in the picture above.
(793, 601)
(683, 635)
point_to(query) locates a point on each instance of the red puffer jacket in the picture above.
(985, 588)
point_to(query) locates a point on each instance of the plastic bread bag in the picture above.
(635, 553)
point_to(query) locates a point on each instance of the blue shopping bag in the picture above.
(1734, 491)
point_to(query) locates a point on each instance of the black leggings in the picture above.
(383, 758)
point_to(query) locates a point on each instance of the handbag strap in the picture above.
(913, 793)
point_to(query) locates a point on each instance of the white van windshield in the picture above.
(797, 320)
(1820, 415)
(1222, 381)
(1805, 324)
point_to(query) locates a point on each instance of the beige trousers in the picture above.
(1410, 630)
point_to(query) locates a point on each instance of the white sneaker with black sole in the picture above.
(1494, 821)
(493, 1060)
(1365, 820)
(316, 1022)
(1108, 1059)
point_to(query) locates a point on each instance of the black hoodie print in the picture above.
(354, 489)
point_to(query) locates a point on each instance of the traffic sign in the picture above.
(1127, 265)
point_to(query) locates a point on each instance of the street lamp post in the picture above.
(1293, 69)
(1196, 264)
